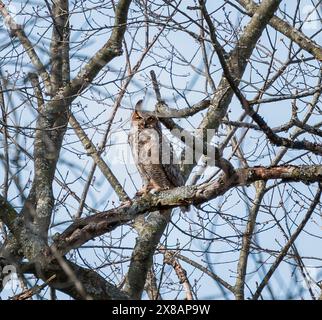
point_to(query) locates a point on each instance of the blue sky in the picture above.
(96, 104)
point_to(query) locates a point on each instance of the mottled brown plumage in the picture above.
(153, 153)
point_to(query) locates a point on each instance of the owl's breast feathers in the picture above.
(153, 153)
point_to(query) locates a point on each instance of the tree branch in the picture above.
(205, 270)
(246, 241)
(170, 259)
(290, 242)
(59, 45)
(95, 154)
(90, 227)
(111, 49)
(16, 30)
(285, 28)
(273, 137)
(236, 63)
(47, 265)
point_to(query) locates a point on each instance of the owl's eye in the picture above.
(150, 119)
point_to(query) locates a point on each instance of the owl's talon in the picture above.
(143, 192)
(140, 193)
(126, 203)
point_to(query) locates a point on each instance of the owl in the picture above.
(153, 154)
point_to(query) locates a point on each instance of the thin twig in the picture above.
(34, 290)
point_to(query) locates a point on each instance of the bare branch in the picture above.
(285, 28)
(203, 269)
(291, 241)
(95, 154)
(31, 292)
(246, 241)
(170, 259)
(16, 30)
(90, 227)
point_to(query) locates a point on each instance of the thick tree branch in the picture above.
(285, 28)
(150, 233)
(59, 45)
(111, 49)
(90, 227)
(273, 137)
(48, 144)
(236, 64)
(46, 265)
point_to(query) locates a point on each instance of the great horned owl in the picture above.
(152, 152)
